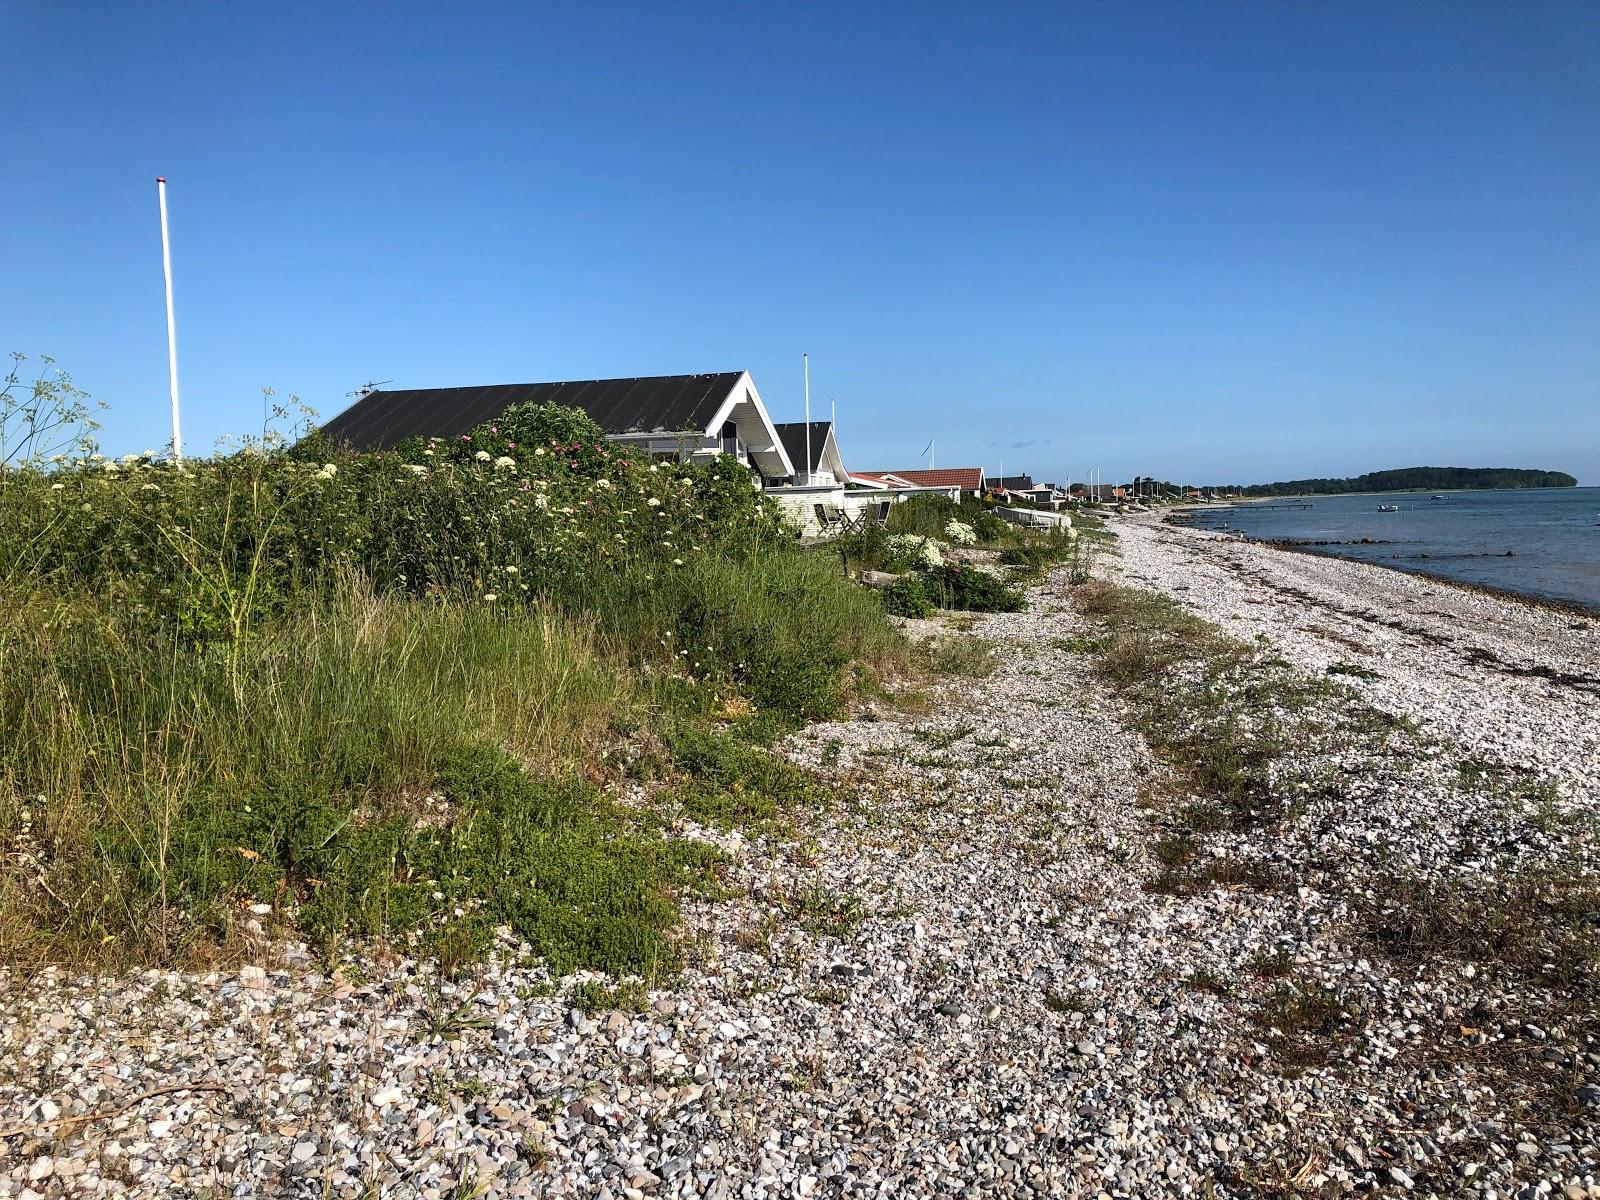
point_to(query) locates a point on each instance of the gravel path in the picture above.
(956, 982)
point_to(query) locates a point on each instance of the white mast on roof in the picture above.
(833, 430)
(805, 363)
(172, 333)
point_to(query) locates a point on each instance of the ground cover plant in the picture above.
(909, 544)
(379, 695)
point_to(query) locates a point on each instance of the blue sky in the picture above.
(1207, 241)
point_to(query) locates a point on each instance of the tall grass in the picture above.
(777, 625)
(165, 780)
(376, 695)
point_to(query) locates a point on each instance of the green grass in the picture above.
(826, 913)
(591, 997)
(776, 625)
(367, 768)
(956, 654)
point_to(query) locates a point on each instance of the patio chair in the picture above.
(829, 518)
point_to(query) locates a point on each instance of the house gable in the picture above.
(825, 454)
(663, 404)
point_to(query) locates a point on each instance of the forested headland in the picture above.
(1435, 479)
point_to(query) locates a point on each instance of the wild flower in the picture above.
(418, 468)
(328, 471)
(491, 597)
(960, 533)
(482, 455)
(603, 483)
(653, 502)
(913, 549)
(505, 464)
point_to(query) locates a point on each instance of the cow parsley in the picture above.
(960, 533)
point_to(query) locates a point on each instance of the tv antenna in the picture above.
(368, 386)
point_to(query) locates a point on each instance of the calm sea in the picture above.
(1553, 535)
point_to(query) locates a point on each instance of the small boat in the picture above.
(1388, 508)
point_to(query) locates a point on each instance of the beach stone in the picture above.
(1005, 841)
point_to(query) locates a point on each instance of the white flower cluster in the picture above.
(917, 549)
(960, 533)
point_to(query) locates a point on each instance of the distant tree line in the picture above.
(1432, 479)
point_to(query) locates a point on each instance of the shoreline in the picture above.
(1443, 633)
(1551, 603)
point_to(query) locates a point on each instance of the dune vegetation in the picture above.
(292, 689)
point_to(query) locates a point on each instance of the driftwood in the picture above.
(107, 1113)
(876, 579)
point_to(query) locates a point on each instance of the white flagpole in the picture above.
(172, 332)
(805, 362)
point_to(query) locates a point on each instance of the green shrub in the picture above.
(955, 586)
(906, 597)
(928, 515)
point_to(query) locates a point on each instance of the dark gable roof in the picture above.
(793, 436)
(653, 404)
(1010, 483)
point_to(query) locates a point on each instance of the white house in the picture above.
(683, 417)
(679, 416)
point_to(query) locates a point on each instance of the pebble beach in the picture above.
(957, 980)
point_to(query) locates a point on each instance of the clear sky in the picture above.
(1205, 241)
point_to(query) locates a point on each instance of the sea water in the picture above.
(1552, 535)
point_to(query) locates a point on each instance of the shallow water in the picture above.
(1553, 535)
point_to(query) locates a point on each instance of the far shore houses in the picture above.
(687, 418)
